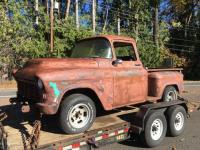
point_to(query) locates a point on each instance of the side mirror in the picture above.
(116, 62)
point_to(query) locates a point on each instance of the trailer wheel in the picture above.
(77, 113)
(176, 120)
(170, 94)
(3, 140)
(155, 129)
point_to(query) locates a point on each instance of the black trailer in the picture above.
(151, 121)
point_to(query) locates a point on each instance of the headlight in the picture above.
(40, 84)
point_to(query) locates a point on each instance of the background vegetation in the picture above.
(162, 28)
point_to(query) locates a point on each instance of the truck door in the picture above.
(130, 79)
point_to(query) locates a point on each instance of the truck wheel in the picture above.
(77, 113)
(155, 129)
(170, 94)
(176, 120)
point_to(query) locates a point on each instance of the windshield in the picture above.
(92, 48)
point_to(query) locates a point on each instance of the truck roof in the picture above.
(113, 37)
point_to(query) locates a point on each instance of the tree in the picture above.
(77, 14)
(94, 16)
(67, 8)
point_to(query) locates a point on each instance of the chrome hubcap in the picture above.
(79, 115)
(171, 96)
(156, 129)
(179, 121)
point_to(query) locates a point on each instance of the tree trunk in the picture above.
(155, 23)
(36, 12)
(106, 19)
(67, 9)
(47, 6)
(93, 15)
(118, 25)
(77, 15)
(52, 19)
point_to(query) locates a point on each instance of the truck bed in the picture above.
(19, 125)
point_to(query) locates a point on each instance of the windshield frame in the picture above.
(93, 38)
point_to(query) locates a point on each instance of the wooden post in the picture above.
(51, 19)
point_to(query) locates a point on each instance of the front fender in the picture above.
(57, 90)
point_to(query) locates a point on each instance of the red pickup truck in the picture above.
(103, 71)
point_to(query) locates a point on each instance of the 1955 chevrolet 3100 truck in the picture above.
(103, 71)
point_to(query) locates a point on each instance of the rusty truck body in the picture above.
(105, 69)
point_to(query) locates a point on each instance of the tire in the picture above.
(77, 114)
(176, 120)
(155, 129)
(170, 93)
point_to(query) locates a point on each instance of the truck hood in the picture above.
(47, 63)
(52, 65)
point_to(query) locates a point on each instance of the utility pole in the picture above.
(51, 18)
(155, 22)
(93, 15)
(36, 12)
(77, 15)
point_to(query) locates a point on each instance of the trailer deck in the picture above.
(19, 125)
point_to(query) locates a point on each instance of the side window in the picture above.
(124, 51)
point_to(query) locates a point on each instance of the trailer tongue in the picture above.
(22, 130)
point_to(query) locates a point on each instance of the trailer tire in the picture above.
(155, 129)
(176, 116)
(77, 113)
(170, 93)
(3, 142)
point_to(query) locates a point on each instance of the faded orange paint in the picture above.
(115, 85)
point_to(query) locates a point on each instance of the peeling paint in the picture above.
(55, 88)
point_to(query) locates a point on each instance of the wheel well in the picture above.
(88, 92)
(174, 85)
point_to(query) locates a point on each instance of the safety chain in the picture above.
(33, 140)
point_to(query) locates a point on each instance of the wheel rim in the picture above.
(79, 115)
(171, 95)
(156, 129)
(179, 121)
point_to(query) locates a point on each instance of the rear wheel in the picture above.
(77, 113)
(170, 94)
(155, 129)
(176, 120)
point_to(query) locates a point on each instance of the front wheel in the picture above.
(155, 129)
(77, 113)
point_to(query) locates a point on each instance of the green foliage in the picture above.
(66, 35)
(20, 40)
